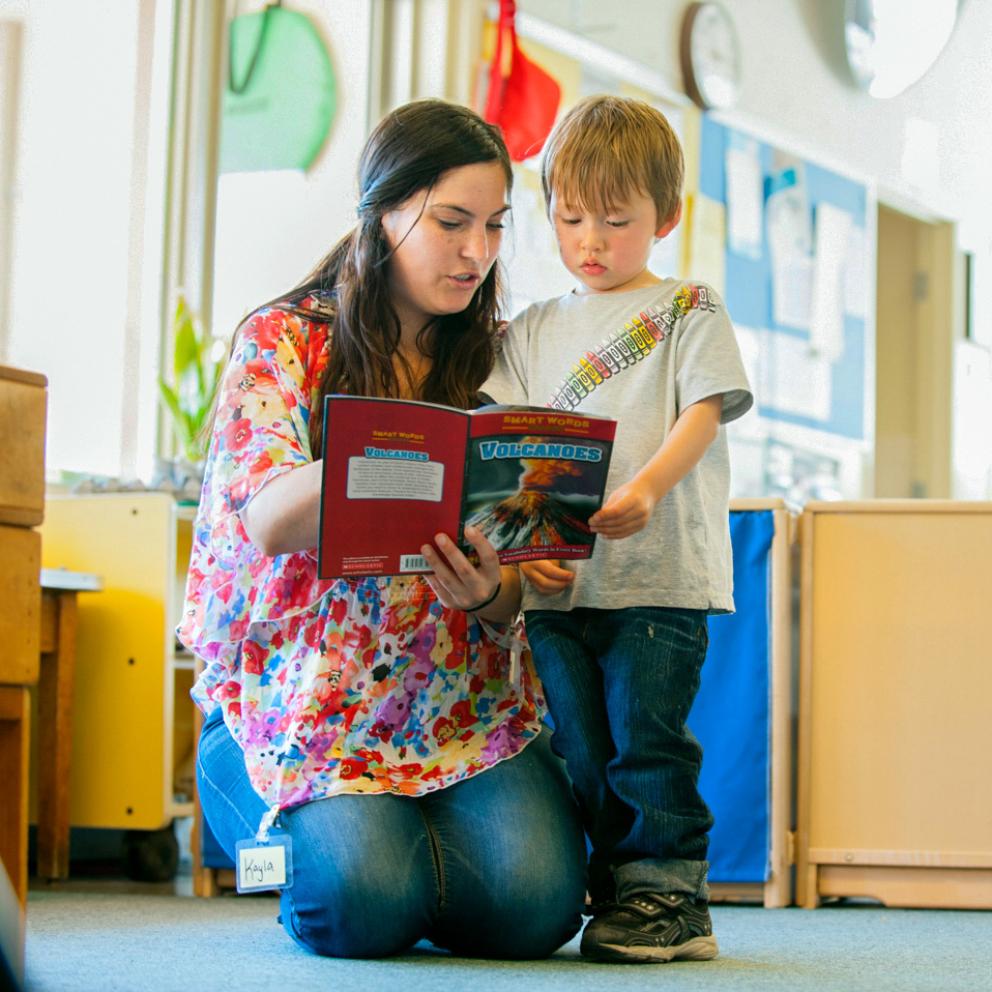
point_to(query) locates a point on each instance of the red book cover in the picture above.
(397, 472)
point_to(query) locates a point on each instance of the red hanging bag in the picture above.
(522, 99)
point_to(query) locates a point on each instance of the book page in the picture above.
(535, 477)
(393, 472)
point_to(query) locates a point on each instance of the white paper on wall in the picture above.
(795, 379)
(792, 290)
(856, 274)
(745, 196)
(826, 319)
(749, 340)
(790, 242)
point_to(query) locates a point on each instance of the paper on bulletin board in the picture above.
(787, 209)
(826, 321)
(749, 340)
(790, 243)
(856, 274)
(795, 379)
(707, 242)
(792, 290)
(745, 196)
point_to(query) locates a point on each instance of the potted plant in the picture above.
(197, 364)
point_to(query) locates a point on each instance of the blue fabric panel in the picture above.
(210, 850)
(730, 715)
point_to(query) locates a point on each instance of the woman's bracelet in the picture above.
(485, 602)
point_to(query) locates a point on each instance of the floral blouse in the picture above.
(329, 686)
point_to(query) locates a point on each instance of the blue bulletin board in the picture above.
(748, 290)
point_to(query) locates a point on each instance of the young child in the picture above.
(619, 639)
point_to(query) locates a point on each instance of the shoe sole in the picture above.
(697, 949)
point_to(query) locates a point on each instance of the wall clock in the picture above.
(711, 56)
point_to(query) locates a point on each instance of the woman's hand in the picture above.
(460, 585)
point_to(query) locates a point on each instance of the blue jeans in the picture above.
(493, 866)
(620, 684)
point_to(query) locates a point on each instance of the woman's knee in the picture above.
(521, 926)
(348, 909)
(526, 911)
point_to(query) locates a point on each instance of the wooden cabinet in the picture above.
(132, 747)
(895, 720)
(23, 402)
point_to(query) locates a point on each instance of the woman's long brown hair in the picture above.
(409, 150)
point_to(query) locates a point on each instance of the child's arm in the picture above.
(630, 506)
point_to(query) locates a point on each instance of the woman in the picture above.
(381, 719)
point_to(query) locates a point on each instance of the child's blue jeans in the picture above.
(493, 866)
(620, 684)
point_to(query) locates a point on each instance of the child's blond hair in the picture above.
(607, 147)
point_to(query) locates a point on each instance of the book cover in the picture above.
(397, 472)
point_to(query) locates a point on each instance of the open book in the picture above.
(397, 472)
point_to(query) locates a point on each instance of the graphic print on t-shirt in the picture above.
(631, 344)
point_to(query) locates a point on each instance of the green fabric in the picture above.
(281, 118)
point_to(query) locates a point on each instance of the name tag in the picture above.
(262, 866)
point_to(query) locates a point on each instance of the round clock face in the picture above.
(711, 59)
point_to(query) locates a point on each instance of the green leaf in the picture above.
(171, 399)
(186, 356)
(195, 380)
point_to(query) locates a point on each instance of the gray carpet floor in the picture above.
(99, 942)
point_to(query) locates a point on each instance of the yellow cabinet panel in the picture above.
(125, 702)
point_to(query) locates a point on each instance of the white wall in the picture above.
(796, 85)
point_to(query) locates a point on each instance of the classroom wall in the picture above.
(928, 147)
(91, 157)
(923, 153)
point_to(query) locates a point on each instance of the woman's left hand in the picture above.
(458, 583)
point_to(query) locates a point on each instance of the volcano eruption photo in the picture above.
(538, 502)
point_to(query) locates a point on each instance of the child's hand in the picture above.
(627, 511)
(546, 576)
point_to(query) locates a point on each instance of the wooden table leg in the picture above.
(15, 745)
(58, 663)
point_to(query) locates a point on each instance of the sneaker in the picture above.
(648, 928)
(596, 907)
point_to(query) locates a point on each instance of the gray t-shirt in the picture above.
(640, 357)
